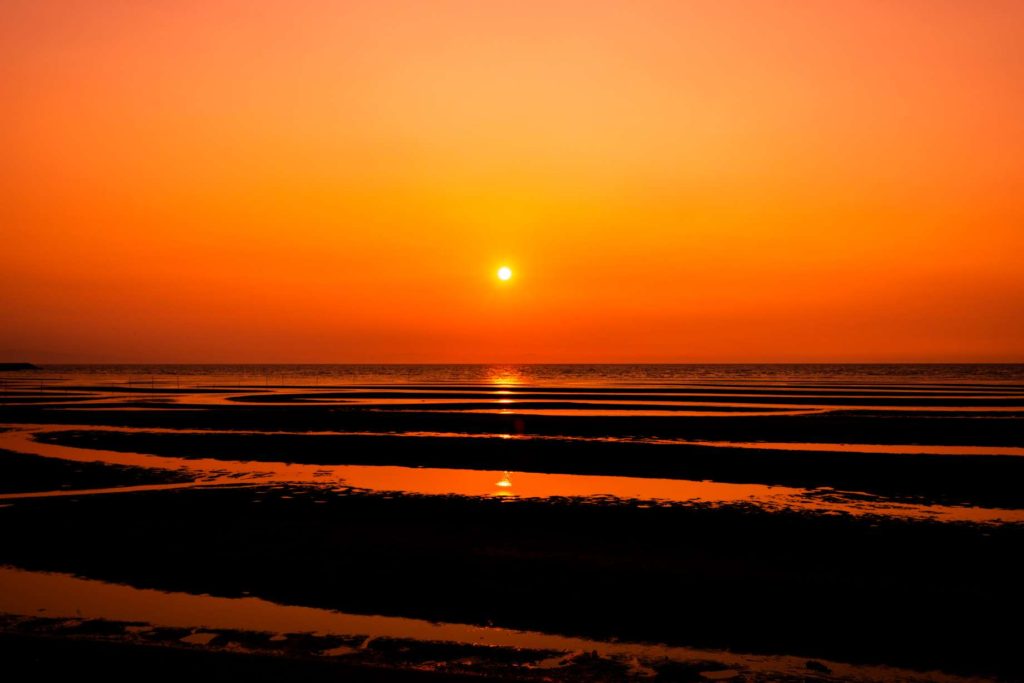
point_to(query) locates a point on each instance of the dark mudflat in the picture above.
(867, 590)
(920, 594)
(20, 472)
(38, 657)
(976, 428)
(989, 480)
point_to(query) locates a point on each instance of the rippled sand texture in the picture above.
(654, 516)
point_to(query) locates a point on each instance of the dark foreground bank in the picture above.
(868, 591)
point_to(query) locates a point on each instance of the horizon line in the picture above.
(527, 363)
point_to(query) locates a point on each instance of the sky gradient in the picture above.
(669, 181)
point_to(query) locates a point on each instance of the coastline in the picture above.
(843, 559)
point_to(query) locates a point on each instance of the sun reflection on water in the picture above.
(504, 376)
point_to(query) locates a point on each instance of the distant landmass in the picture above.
(18, 366)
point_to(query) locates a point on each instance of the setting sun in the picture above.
(868, 217)
(764, 347)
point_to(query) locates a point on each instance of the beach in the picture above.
(518, 522)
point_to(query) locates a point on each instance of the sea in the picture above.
(535, 374)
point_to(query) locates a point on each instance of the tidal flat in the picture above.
(814, 528)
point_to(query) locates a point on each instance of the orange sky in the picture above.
(670, 181)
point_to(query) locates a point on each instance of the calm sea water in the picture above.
(539, 375)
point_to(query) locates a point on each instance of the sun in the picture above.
(504, 273)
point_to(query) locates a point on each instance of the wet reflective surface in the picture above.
(752, 480)
(60, 597)
(507, 485)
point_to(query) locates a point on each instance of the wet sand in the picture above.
(873, 525)
(736, 578)
(21, 473)
(178, 629)
(957, 426)
(985, 480)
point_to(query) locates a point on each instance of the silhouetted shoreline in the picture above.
(5, 367)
